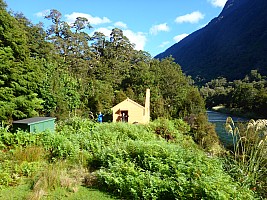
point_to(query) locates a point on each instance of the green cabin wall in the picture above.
(36, 127)
(42, 126)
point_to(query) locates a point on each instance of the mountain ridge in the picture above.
(230, 45)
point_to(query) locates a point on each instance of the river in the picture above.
(219, 120)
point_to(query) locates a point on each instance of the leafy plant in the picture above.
(141, 170)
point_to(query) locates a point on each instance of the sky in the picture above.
(152, 25)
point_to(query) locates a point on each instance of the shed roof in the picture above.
(33, 120)
(129, 100)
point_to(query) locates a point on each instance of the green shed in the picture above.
(35, 124)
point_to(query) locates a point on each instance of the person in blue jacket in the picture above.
(100, 117)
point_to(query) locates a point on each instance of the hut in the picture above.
(131, 112)
(35, 124)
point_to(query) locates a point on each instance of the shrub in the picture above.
(59, 146)
(169, 129)
(203, 132)
(141, 170)
(18, 139)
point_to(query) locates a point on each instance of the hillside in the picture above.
(231, 45)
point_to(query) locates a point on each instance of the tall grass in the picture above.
(56, 175)
(249, 161)
(29, 154)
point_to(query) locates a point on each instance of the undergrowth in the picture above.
(154, 161)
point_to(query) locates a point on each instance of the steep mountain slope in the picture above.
(230, 45)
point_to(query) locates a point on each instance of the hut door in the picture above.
(124, 116)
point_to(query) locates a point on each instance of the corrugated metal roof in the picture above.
(33, 120)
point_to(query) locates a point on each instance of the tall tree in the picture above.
(18, 72)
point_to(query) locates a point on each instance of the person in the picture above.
(100, 117)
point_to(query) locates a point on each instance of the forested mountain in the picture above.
(64, 72)
(230, 46)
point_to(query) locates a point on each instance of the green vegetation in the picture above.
(248, 161)
(123, 160)
(64, 72)
(24, 192)
(246, 97)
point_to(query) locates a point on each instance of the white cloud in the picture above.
(42, 13)
(164, 44)
(218, 3)
(160, 27)
(120, 25)
(178, 38)
(193, 17)
(92, 20)
(139, 38)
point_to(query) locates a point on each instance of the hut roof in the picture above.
(129, 100)
(33, 120)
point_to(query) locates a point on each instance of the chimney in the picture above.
(147, 106)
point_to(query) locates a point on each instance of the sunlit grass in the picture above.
(249, 161)
(23, 192)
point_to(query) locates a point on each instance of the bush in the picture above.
(141, 170)
(203, 132)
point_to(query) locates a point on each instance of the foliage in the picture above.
(20, 74)
(12, 171)
(130, 161)
(65, 72)
(156, 169)
(248, 161)
(170, 130)
(203, 133)
(246, 96)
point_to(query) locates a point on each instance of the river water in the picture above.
(219, 120)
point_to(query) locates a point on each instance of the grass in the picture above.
(248, 163)
(82, 193)
(23, 191)
(15, 193)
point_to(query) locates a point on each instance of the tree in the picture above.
(55, 16)
(19, 74)
(38, 46)
(81, 23)
(98, 45)
(3, 5)
(64, 70)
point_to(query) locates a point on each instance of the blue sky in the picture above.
(151, 25)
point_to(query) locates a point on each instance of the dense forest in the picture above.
(246, 97)
(63, 71)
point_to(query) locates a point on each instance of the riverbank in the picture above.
(235, 112)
